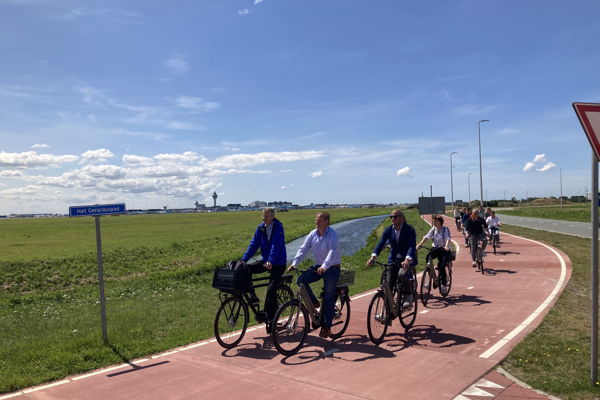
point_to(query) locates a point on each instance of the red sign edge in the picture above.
(580, 110)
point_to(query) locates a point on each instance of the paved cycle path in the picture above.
(573, 228)
(448, 354)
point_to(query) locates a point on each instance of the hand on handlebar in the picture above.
(370, 261)
(291, 268)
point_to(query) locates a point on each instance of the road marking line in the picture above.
(35, 389)
(563, 273)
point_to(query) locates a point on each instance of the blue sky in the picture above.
(157, 103)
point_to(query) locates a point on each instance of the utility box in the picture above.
(432, 205)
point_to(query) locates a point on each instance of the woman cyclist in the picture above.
(440, 235)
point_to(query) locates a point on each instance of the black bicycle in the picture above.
(294, 318)
(479, 256)
(390, 302)
(232, 315)
(430, 279)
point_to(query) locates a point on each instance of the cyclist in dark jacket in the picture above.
(270, 238)
(402, 239)
(476, 228)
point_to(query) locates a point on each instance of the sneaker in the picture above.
(408, 300)
(269, 327)
(426, 286)
(474, 264)
(466, 244)
(325, 332)
(443, 288)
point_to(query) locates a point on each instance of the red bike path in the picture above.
(449, 353)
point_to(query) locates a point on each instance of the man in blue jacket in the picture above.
(402, 239)
(270, 238)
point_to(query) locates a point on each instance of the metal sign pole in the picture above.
(101, 279)
(594, 269)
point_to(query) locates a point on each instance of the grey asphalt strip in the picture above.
(581, 229)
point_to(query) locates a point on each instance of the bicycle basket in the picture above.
(227, 279)
(346, 278)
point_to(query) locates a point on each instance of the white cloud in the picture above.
(403, 171)
(178, 64)
(475, 109)
(316, 174)
(547, 167)
(31, 159)
(528, 166)
(507, 131)
(133, 159)
(40, 146)
(243, 11)
(96, 155)
(81, 12)
(184, 126)
(184, 157)
(258, 2)
(537, 162)
(248, 160)
(11, 173)
(283, 187)
(196, 105)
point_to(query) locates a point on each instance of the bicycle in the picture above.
(479, 256)
(231, 319)
(429, 278)
(458, 225)
(495, 238)
(388, 303)
(293, 319)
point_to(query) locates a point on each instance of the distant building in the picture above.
(258, 204)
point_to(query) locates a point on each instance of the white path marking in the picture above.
(511, 335)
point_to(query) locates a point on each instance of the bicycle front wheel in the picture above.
(231, 322)
(341, 318)
(290, 327)
(426, 283)
(377, 318)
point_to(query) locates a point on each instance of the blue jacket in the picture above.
(406, 244)
(272, 251)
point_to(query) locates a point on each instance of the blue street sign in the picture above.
(98, 209)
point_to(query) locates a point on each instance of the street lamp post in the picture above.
(451, 182)
(469, 185)
(561, 193)
(480, 169)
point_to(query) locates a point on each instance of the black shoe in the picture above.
(261, 316)
(325, 332)
(254, 299)
(269, 327)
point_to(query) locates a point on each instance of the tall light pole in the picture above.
(480, 173)
(561, 193)
(451, 182)
(469, 184)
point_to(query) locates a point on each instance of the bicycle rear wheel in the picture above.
(426, 283)
(290, 328)
(495, 242)
(377, 317)
(231, 322)
(341, 318)
(408, 314)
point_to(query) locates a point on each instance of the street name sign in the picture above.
(95, 210)
(589, 116)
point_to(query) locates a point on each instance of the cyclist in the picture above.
(457, 216)
(402, 239)
(465, 217)
(270, 238)
(440, 235)
(493, 224)
(324, 244)
(476, 229)
(488, 212)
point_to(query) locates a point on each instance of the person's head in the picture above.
(438, 221)
(475, 214)
(493, 213)
(397, 217)
(268, 215)
(322, 220)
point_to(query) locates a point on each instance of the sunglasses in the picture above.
(394, 216)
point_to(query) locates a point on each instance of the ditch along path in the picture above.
(450, 353)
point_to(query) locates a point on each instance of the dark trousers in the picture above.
(441, 255)
(330, 278)
(271, 298)
(396, 274)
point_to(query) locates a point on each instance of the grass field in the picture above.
(580, 213)
(158, 285)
